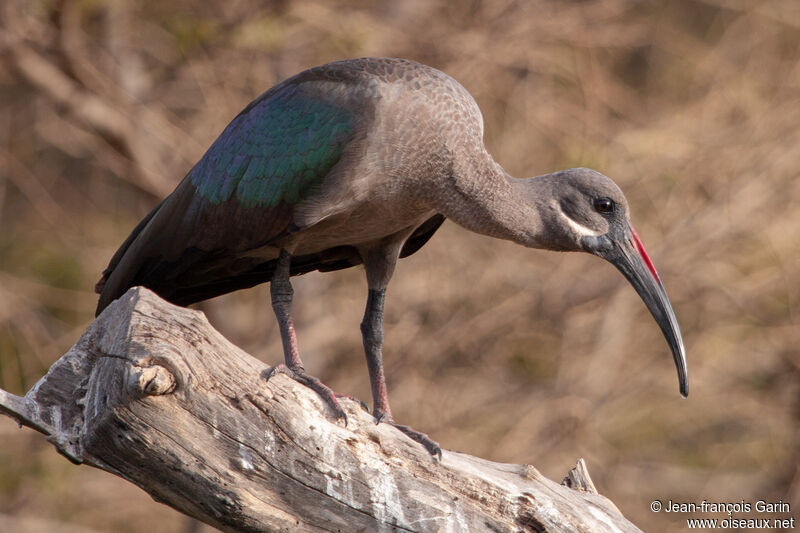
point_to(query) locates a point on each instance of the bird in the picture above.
(359, 162)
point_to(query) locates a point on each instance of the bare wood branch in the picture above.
(151, 392)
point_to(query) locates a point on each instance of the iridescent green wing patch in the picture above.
(275, 151)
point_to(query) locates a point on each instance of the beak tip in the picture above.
(680, 363)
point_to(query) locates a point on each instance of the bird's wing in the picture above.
(240, 195)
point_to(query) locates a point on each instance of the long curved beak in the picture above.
(629, 256)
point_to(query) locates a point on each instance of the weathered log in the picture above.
(152, 393)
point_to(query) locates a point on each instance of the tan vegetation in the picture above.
(513, 355)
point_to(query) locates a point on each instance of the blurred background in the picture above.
(510, 354)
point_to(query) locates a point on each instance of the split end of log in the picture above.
(578, 478)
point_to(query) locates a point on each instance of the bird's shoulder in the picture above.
(283, 144)
(382, 69)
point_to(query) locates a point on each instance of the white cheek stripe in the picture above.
(579, 228)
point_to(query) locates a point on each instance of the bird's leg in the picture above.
(282, 292)
(372, 332)
(372, 335)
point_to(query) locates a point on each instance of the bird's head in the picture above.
(588, 212)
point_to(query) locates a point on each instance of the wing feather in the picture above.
(240, 196)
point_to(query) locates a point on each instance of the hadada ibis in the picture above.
(359, 162)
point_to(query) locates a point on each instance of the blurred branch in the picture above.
(43, 293)
(30, 187)
(127, 78)
(102, 117)
(769, 11)
(152, 393)
(75, 83)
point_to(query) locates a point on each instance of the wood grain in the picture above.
(152, 393)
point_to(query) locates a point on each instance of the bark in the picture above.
(152, 393)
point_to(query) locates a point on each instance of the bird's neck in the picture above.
(484, 198)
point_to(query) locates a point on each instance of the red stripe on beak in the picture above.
(643, 253)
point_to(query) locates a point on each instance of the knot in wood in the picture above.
(153, 380)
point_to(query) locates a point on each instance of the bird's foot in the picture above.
(325, 392)
(363, 405)
(428, 443)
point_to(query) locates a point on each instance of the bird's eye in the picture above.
(604, 205)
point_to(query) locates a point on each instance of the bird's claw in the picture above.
(363, 404)
(428, 443)
(325, 392)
